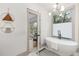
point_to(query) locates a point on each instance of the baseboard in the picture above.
(23, 54)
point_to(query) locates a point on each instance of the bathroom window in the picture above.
(63, 22)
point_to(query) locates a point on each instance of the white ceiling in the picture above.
(49, 6)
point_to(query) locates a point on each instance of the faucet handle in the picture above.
(59, 34)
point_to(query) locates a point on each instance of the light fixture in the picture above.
(7, 23)
(49, 13)
(58, 8)
(62, 8)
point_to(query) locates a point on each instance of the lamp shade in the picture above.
(7, 24)
(7, 18)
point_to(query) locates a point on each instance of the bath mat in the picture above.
(46, 52)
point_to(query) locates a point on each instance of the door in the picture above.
(33, 30)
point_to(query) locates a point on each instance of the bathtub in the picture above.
(63, 47)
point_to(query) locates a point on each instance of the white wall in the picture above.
(76, 23)
(16, 42)
(65, 28)
(45, 20)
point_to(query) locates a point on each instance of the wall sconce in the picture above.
(7, 23)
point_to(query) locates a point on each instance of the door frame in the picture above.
(39, 28)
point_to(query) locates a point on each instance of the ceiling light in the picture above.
(58, 8)
(7, 23)
(62, 8)
(49, 13)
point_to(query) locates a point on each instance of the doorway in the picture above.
(34, 30)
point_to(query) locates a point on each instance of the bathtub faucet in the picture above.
(59, 34)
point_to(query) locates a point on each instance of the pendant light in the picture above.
(7, 23)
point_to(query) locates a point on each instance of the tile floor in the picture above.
(34, 53)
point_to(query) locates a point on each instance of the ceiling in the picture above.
(49, 6)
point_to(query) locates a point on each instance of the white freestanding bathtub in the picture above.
(62, 46)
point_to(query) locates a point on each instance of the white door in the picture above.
(34, 30)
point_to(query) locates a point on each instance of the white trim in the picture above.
(39, 27)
